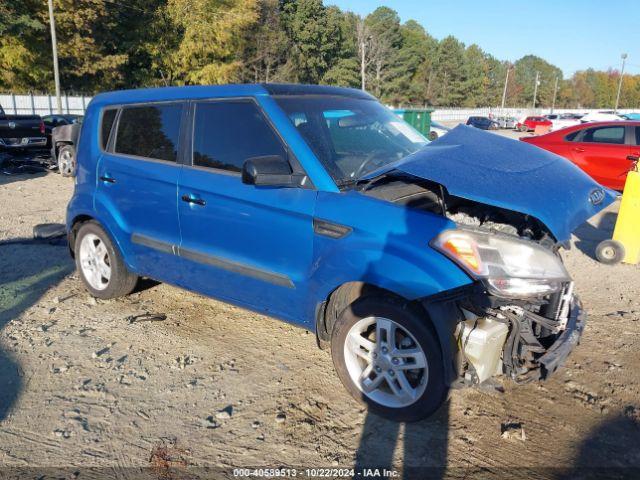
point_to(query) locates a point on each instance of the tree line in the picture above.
(115, 44)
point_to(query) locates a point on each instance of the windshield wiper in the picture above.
(347, 183)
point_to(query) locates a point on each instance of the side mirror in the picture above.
(270, 170)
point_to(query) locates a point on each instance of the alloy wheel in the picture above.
(386, 362)
(66, 162)
(95, 261)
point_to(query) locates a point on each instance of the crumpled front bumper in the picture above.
(557, 353)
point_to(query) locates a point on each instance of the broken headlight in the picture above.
(508, 267)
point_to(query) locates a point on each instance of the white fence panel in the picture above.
(462, 114)
(42, 104)
(46, 104)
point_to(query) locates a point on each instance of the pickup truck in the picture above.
(20, 132)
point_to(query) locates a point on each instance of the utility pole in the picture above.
(535, 89)
(624, 59)
(555, 92)
(363, 71)
(54, 46)
(504, 91)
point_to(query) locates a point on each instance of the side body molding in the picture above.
(243, 269)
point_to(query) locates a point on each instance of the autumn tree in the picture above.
(267, 49)
(212, 35)
(106, 45)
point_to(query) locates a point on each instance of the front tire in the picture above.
(389, 358)
(100, 264)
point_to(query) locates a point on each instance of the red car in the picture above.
(604, 150)
(529, 124)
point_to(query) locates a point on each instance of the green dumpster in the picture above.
(418, 118)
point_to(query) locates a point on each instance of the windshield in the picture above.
(351, 136)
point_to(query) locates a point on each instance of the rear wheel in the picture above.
(67, 161)
(100, 264)
(389, 358)
(610, 252)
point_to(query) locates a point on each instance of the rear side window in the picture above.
(227, 133)
(573, 136)
(605, 135)
(150, 131)
(108, 118)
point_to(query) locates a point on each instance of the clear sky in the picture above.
(571, 34)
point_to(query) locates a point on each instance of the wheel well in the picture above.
(75, 226)
(61, 143)
(343, 296)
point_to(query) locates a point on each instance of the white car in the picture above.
(606, 116)
(563, 120)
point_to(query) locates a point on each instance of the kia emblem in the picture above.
(596, 196)
(12, 124)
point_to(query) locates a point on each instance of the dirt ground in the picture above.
(86, 383)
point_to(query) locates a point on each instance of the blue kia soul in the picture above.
(422, 266)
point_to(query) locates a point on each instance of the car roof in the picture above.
(633, 123)
(581, 126)
(161, 94)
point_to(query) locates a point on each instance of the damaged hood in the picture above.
(494, 170)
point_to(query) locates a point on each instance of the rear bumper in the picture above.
(557, 353)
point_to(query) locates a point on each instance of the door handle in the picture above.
(578, 149)
(633, 158)
(193, 199)
(107, 179)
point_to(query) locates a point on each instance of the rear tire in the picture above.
(67, 161)
(388, 357)
(100, 264)
(610, 252)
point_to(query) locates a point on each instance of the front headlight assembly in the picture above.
(508, 267)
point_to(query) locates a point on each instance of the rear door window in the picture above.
(573, 136)
(613, 135)
(227, 133)
(150, 131)
(108, 117)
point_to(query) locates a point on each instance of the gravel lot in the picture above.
(89, 383)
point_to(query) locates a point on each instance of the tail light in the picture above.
(41, 127)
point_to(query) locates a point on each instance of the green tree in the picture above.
(212, 35)
(267, 45)
(23, 65)
(315, 37)
(406, 84)
(525, 76)
(384, 42)
(449, 73)
(345, 69)
(476, 77)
